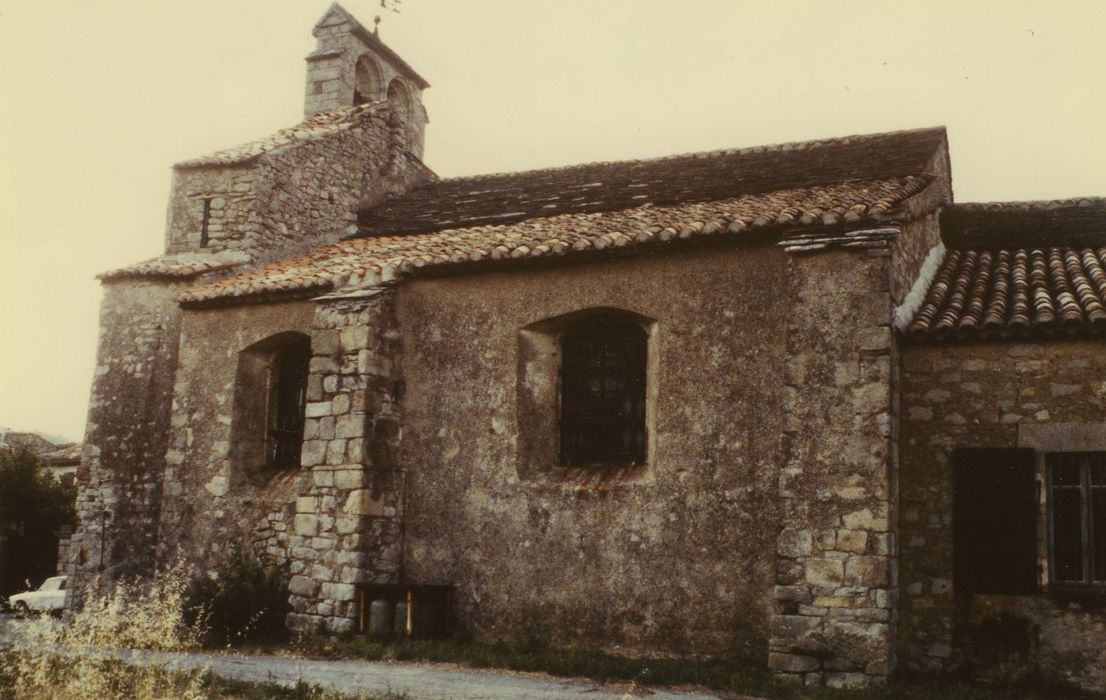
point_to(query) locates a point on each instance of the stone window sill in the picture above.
(592, 479)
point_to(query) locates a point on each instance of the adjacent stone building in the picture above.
(789, 402)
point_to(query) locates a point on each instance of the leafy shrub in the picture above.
(245, 602)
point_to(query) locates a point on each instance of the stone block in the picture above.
(321, 573)
(317, 409)
(324, 342)
(361, 502)
(313, 453)
(355, 338)
(323, 477)
(349, 478)
(307, 504)
(793, 663)
(872, 398)
(336, 452)
(302, 586)
(306, 525)
(864, 519)
(339, 592)
(350, 426)
(340, 625)
(355, 451)
(852, 540)
(866, 571)
(792, 627)
(794, 543)
(823, 572)
(339, 406)
(347, 524)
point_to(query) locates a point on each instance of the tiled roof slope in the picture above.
(179, 265)
(368, 260)
(319, 126)
(1018, 269)
(505, 198)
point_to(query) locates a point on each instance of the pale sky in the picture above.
(100, 97)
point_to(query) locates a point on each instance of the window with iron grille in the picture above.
(603, 370)
(287, 398)
(1077, 517)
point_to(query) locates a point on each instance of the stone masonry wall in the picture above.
(1049, 395)
(212, 503)
(334, 521)
(332, 77)
(348, 520)
(124, 449)
(834, 599)
(676, 558)
(295, 197)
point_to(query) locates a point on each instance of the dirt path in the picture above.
(419, 681)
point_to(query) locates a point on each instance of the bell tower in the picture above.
(351, 65)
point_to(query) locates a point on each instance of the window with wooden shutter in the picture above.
(994, 521)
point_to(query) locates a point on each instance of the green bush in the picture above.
(245, 602)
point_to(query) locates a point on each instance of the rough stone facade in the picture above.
(1050, 396)
(292, 197)
(348, 519)
(834, 595)
(124, 449)
(792, 502)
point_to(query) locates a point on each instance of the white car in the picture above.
(50, 597)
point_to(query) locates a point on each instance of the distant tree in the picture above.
(33, 510)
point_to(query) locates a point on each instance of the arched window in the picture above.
(270, 395)
(367, 81)
(603, 375)
(287, 400)
(400, 98)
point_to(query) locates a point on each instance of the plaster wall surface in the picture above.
(677, 557)
(1049, 396)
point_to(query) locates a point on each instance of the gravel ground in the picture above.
(419, 681)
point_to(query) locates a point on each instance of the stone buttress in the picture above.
(348, 522)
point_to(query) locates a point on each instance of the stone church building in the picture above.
(789, 403)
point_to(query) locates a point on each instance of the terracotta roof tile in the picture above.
(363, 261)
(1018, 268)
(319, 126)
(508, 197)
(180, 265)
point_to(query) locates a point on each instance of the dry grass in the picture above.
(78, 661)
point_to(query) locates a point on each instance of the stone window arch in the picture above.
(368, 81)
(585, 390)
(269, 399)
(399, 96)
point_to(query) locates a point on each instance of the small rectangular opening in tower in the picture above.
(206, 222)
